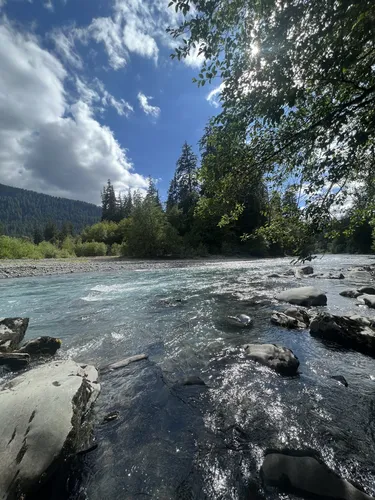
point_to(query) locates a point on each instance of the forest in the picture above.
(287, 166)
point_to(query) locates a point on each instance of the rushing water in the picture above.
(196, 442)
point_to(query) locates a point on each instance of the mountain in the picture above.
(22, 210)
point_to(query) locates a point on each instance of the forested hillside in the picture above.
(23, 211)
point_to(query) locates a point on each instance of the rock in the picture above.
(369, 300)
(193, 380)
(14, 361)
(307, 270)
(331, 276)
(274, 275)
(124, 362)
(359, 274)
(304, 296)
(241, 320)
(352, 293)
(282, 319)
(340, 379)
(363, 321)
(41, 346)
(276, 357)
(345, 331)
(300, 314)
(306, 475)
(369, 290)
(42, 423)
(12, 332)
(113, 415)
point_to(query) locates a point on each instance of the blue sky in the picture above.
(88, 92)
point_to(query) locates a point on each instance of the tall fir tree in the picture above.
(109, 203)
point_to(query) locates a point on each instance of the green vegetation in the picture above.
(297, 104)
(26, 213)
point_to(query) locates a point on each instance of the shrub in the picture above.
(90, 249)
(18, 248)
(115, 249)
(48, 250)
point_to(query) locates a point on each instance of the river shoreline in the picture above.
(26, 268)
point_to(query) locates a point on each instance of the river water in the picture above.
(203, 442)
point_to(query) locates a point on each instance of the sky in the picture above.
(88, 92)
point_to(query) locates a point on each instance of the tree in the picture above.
(297, 83)
(127, 204)
(66, 230)
(152, 192)
(50, 231)
(109, 203)
(37, 235)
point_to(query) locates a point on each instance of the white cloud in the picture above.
(146, 107)
(2, 3)
(64, 45)
(96, 95)
(49, 5)
(194, 60)
(46, 142)
(136, 26)
(213, 96)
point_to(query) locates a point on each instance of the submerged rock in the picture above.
(12, 332)
(43, 422)
(307, 270)
(351, 293)
(302, 473)
(276, 357)
(14, 361)
(304, 296)
(124, 362)
(340, 379)
(241, 320)
(41, 346)
(344, 330)
(300, 314)
(193, 380)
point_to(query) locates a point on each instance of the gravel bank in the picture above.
(50, 267)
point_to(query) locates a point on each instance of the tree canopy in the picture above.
(297, 86)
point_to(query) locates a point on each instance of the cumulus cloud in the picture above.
(213, 96)
(146, 107)
(135, 26)
(48, 143)
(49, 5)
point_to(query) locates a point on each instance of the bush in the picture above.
(90, 249)
(18, 248)
(115, 249)
(48, 250)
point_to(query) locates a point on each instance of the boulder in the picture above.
(331, 276)
(41, 346)
(369, 300)
(276, 357)
(14, 361)
(300, 314)
(306, 270)
(369, 290)
(282, 319)
(304, 296)
(12, 332)
(43, 422)
(241, 320)
(352, 293)
(304, 474)
(344, 330)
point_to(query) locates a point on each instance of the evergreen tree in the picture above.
(172, 199)
(66, 230)
(186, 178)
(109, 203)
(37, 235)
(50, 231)
(152, 192)
(127, 205)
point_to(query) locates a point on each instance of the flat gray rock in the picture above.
(348, 331)
(307, 476)
(303, 296)
(369, 290)
(12, 332)
(14, 360)
(281, 319)
(42, 420)
(276, 357)
(124, 362)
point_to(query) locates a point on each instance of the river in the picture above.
(203, 442)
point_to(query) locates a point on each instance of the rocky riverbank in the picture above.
(25, 268)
